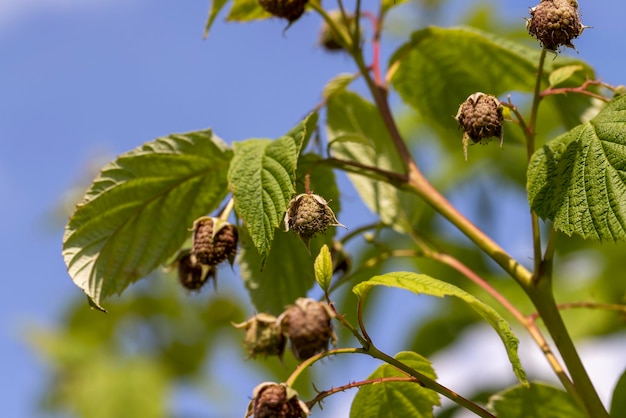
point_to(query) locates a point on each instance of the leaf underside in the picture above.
(537, 400)
(423, 284)
(138, 211)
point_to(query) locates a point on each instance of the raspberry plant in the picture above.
(191, 201)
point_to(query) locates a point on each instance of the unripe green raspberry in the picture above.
(276, 400)
(309, 214)
(480, 117)
(287, 9)
(555, 23)
(264, 336)
(214, 240)
(308, 326)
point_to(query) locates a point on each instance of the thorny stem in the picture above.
(324, 394)
(582, 89)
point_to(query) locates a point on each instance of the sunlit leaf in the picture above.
(396, 399)
(262, 178)
(138, 211)
(578, 180)
(538, 400)
(352, 117)
(323, 268)
(423, 284)
(440, 67)
(337, 85)
(559, 75)
(216, 7)
(246, 10)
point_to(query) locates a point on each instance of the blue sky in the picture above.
(79, 79)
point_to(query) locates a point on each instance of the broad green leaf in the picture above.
(262, 178)
(351, 116)
(578, 180)
(618, 402)
(337, 85)
(440, 67)
(285, 275)
(216, 7)
(562, 74)
(396, 399)
(323, 268)
(246, 10)
(538, 400)
(423, 284)
(138, 211)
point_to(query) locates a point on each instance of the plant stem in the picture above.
(543, 299)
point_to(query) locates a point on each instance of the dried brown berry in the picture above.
(276, 400)
(264, 336)
(191, 274)
(555, 23)
(287, 9)
(308, 326)
(309, 214)
(480, 117)
(214, 240)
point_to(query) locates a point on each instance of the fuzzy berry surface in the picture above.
(212, 248)
(272, 402)
(308, 325)
(480, 117)
(555, 23)
(286, 9)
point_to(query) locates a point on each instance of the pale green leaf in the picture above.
(389, 4)
(536, 401)
(350, 116)
(246, 10)
(216, 7)
(138, 211)
(337, 84)
(440, 67)
(618, 402)
(578, 180)
(423, 284)
(562, 74)
(396, 399)
(262, 178)
(323, 268)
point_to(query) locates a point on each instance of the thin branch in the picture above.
(586, 305)
(324, 394)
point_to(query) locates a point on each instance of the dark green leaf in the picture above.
(262, 178)
(423, 284)
(618, 403)
(578, 180)
(439, 68)
(396, 399)
(538, 400)
(216, 7)
(138, 211)
(285, 275)
(350, 116)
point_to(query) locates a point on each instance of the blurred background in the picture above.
(84, 80)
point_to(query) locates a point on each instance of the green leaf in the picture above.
(216, 7)
(562, 74)
(323, 268)
(246, 10)
(396, 399)
(439, 68)
(285, 275)
(618, 403)
(538, 400)
(350, 116)
(337, 85)
(389, 4)
(262, 177)
(578, 180)
(423, 284)
(138, 211)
